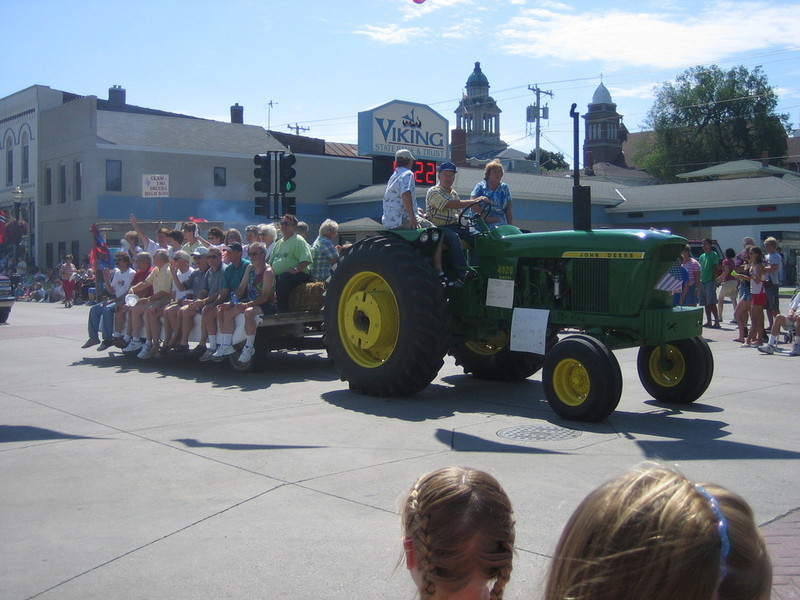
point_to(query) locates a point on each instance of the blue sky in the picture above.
(320, 62)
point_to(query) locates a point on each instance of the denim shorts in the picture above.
(744, 292)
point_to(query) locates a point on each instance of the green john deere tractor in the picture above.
(556, 301)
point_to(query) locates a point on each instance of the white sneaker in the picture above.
(147, 351)
(223, 351)
(795, 350)
(207, 355)
(767, 349)
(133, 346)
(247, 354)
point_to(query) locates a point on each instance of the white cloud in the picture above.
(412, 10)
(642, 92)
(392, 33)
(664, 40)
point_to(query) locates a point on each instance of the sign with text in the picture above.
(155, 186)
(384, 130)
(500, 293)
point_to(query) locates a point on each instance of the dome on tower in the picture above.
(477, 78)
(602, 95)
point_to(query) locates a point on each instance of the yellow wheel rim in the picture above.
(368, 319)
(675, 369)
(571, 382)
(489, 347)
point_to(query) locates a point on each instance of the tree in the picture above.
(708, 116)
(550, 160)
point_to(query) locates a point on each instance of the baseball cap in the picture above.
(235, 246)
(405, 154)
(447, 166)
(200, 251)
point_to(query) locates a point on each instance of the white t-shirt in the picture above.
(183, 278)
(773, 258)
(121, 281)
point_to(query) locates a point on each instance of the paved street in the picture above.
(130, 479)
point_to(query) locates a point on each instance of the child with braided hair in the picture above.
(459, 535)
(652, 534)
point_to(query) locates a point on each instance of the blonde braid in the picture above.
(419, 535)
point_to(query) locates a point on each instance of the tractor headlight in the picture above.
(435, 235)
(425, 237)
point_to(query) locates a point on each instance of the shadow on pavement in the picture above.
(28, 433)
(275, 368)
(464, 442)
(437, 401)
(193, 443)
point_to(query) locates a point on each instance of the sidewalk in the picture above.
(782, 534)
(783, 540)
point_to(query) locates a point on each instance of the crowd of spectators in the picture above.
(180, 274)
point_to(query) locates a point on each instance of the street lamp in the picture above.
(16, 196)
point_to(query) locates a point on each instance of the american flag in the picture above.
(99, 256)
(672, 281)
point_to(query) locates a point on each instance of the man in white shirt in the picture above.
(118, 281)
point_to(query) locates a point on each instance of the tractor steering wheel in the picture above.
(467, 219)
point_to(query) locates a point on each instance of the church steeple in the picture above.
(479, 115)
(605, 131)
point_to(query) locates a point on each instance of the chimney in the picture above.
(237, 114)
(589, 163)
(764, 159)
(116, 95)
(458, 147)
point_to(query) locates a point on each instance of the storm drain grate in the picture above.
(538, 433)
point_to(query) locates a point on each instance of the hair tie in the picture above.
(722, 529)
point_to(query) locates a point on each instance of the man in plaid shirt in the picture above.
(443, 206)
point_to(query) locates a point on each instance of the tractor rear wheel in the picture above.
(683, 375)
(582, 379)
(386, 319)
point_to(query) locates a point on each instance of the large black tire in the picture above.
(494, 360)
(4, 312)
(684, 377)
(582, 379)
(386, 319)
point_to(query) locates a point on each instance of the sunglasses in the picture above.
(255, 253)
(213, 255)
(282, 223)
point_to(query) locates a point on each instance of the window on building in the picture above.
(220, 176)
(48, 185)
(26, 159)
(113, 175)
(78, 180)
(48, 255)
(9, 162)
(76, 253)
(62, 184)
(62, 251)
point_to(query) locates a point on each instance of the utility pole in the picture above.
(539, 116)
(297, 128)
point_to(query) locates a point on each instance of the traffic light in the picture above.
(263, 173)
(288, 205)
(287, 173)
(262, 206)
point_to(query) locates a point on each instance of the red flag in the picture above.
(197, 220)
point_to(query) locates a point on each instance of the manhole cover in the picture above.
(538, 433)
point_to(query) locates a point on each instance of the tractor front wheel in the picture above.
(582, 379)
(681, 374)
